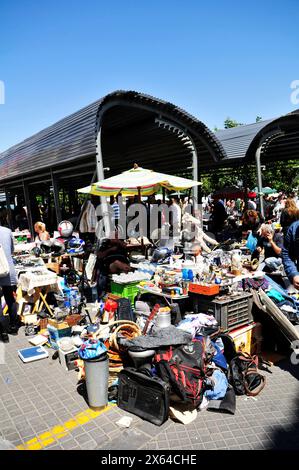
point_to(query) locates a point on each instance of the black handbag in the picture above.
(143, 395)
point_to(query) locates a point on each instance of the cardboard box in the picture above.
(242, 338)
(55, 334)
(56, 324)
(257, 339)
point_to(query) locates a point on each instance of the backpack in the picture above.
(183, 367)
(244, 375)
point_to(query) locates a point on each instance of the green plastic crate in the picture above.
(129, 291)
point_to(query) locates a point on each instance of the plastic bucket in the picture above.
(163, 319)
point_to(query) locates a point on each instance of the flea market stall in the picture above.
(178, 332)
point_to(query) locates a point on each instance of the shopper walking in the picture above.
(8, 285)
(289, 214)
(290, 254)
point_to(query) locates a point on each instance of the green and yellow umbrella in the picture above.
(138, 181)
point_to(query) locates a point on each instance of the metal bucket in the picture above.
(97, 374)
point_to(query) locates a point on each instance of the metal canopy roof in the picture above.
(143, 129)
(240, 143)
(135, 128)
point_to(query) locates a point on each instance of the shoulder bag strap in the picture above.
(258, 389)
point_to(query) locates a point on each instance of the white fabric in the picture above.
(19, 247)
(88, 220)
(6, 241)
(185, 414)
(252, 205)
(200, 236)
(177, 214)
(4, 267)
(31, 280)
(278, 208)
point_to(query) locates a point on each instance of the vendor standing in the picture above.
(112, 258)
(218, 216)
(175, 218)
(8, 285)
(42, 234)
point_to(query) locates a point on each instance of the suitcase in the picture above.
(144, 396)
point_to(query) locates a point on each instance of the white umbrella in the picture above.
(138, 181)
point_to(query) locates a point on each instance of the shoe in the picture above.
(13, 330)
(4, 337)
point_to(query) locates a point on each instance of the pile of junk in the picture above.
(182, 333)
(168, 368)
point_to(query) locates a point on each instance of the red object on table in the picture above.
(212, 289)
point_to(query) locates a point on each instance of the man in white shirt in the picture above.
(279, 206)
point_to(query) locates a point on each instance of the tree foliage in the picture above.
(282, 176)
(229, 123)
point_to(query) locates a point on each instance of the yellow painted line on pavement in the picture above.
(57, 432)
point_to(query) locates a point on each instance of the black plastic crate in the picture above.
(230, 312)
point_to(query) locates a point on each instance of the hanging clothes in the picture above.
(88, 219)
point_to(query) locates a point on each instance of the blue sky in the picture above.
(214, 59)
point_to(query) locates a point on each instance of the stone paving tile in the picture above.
(272, 421)
(90, 445)
(54, 447)
(69, 444)
(97, 435)
(128, 440)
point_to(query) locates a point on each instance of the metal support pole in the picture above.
(196, 191)
(28, 207)
(100, 173)
(56, 198)
(9, 218)
(245, 186)
(259, 177)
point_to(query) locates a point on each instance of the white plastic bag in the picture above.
(4, 266)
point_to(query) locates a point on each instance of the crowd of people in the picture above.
(274, 235)
(272, 238)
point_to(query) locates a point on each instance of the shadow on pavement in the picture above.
(287, 438)
(81, 389)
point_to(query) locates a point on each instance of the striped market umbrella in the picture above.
(138, 182)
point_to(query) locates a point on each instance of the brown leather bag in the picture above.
(244, 375)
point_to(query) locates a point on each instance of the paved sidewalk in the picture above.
(40, 408)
